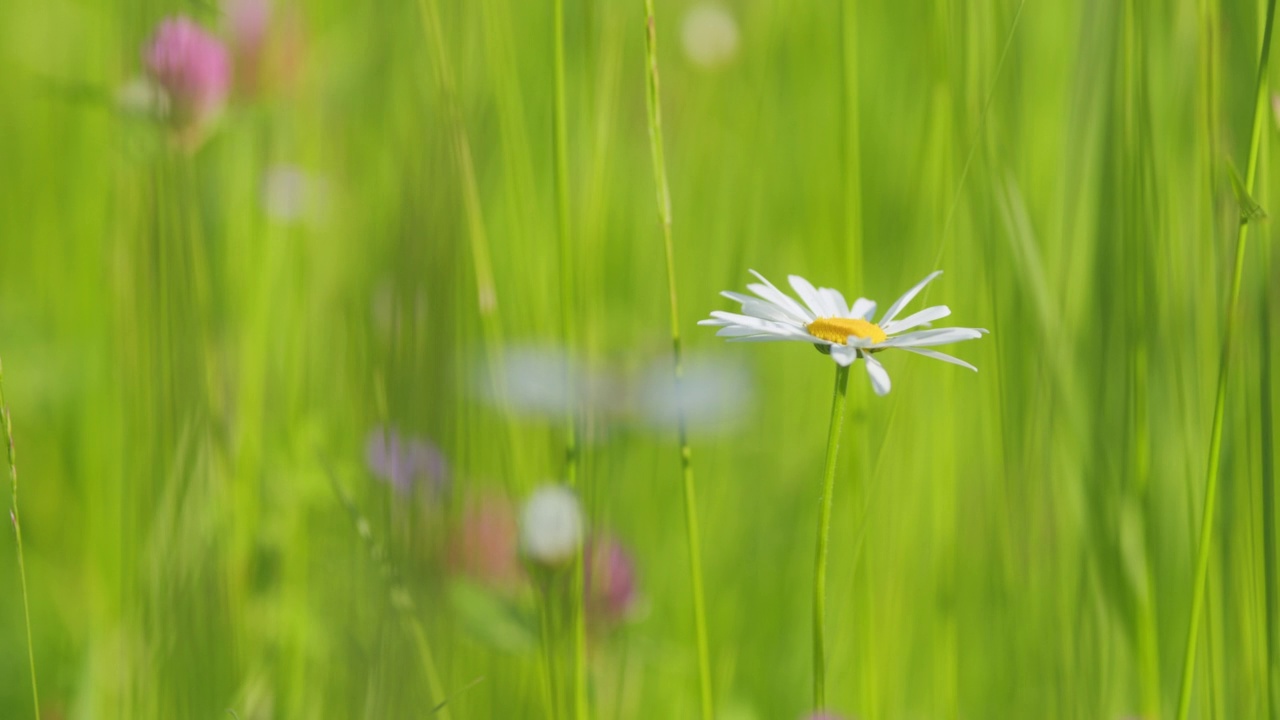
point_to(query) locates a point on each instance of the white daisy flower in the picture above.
(845, 332)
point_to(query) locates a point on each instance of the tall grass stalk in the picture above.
(568, 308)
(17, 531)
(1269, 569)
(979, 134)
(654, 100)
(824, 528)
(1219, 409)
(1137, 168)
(1272, 591)
(477, 236)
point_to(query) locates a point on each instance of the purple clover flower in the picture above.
(192, 67)
(407, 463)
(609, 580)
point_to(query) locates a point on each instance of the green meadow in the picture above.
(398, 232)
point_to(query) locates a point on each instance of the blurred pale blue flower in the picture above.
(712, 394)
(542, 381)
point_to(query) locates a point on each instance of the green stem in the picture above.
(548, 652)
(17, 530)
(1215, 440)
(567, 300)
(654, 100)
(1269, 566)
(567, 309)
(824, 529)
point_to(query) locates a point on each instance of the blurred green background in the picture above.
(197, 343)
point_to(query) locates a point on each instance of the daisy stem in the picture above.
(824, 528)
(17, 530)
(1215, 439)
(654, 101)
(567, 309)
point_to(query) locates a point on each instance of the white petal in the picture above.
(779, 298)
(737, 331)
(738, 297)
(844, 355)
(941, 336)
(941, 356)
(775, 297)
(763, 338)
(725, 317)
(835, 301)
(879, 378)
(757, 307)
(862, 308)
(809, 294)
(732, 323)
(895, 308)
(927, 315)
(769, 311)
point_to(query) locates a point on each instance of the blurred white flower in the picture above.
(551, 526)
(710, 35)
(290, 194)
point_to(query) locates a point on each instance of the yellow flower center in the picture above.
(838, 330)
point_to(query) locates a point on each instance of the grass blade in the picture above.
(17, 531)
(1219, 409)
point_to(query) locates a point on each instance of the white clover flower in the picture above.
(709, 35)
(551, 526)
(846, 333)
